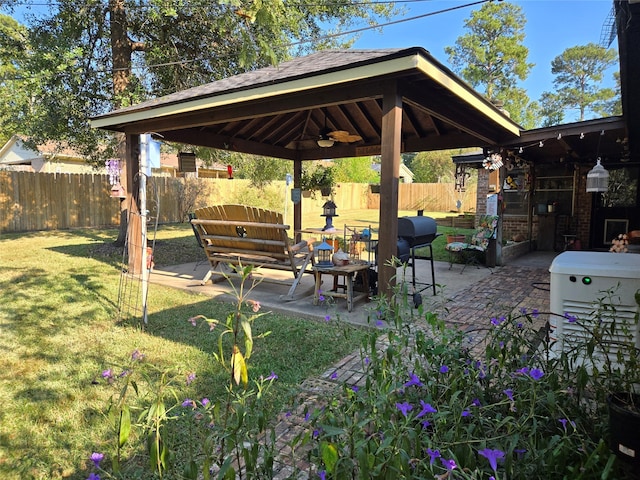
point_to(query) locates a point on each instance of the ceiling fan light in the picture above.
(325, 142)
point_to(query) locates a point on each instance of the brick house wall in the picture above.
(515, 225)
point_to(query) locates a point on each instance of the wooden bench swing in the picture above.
(240, 234)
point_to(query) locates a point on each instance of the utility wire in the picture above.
(339, 34)
(302, 42)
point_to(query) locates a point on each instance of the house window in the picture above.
(614, 227)
(515, 192)
(623, 188)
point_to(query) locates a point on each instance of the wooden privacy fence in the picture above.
(49, 201)
(46, 201)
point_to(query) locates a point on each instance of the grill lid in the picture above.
(417, 230)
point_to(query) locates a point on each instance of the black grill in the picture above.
(417, 231)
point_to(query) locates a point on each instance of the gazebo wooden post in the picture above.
(297, 207)
(134, 225)
(389, 177)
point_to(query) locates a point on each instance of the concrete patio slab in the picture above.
(450, 287)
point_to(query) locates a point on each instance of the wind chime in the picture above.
(461, 177)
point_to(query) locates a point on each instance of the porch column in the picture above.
(297, 207)
(389, 178)
(134, 226)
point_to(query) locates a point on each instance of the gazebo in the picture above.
(360, 102)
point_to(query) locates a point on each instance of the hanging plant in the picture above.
(318, 179)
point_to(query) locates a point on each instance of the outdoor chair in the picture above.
(195, 228)
(468, 252)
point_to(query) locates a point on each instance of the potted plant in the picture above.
(602, 346)
(320, 179)
(454, 236)
(624, 423)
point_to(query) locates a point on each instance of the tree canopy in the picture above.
(14, 103)
(433, 167)
(492, 57)
(90, 56)
(579, 72)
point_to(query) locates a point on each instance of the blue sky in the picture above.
(552, 26)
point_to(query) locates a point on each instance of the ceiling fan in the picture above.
(329, 137)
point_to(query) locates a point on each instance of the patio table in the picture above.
(348, 272)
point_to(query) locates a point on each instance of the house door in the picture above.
(618, 210)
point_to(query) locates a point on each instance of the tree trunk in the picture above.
(121, 53)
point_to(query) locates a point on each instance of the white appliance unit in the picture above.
(578, 280)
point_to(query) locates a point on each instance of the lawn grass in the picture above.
(59, 331)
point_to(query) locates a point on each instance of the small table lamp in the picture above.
(324, 254)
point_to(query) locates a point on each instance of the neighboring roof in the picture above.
(15, 152)
(171, 160)
(280, 111)
(405, 172)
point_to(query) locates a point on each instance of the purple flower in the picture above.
(444, 369)
(190, 378)
(493, 456)
(107, 374)
(404, 408)
(523, 310)
(536, 374)
(96, 458)
(307, 416)
(205, 401)
(272, 376)
(189, 403)
(425, 424)
(334, 375)
(322, 474)
(321, 297)
(476, 402)
(379, 324)
(535, 313)
(413, 380)
(327, 318)
(136, 355)
(433, 454)
(495, 321)
(563, 421)
(426, 408)
(93, 476)
(509, 393)
(466, 413)
(354, 388)
(570, 318)
(448, 464)
(523, 371)
(520, 452)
